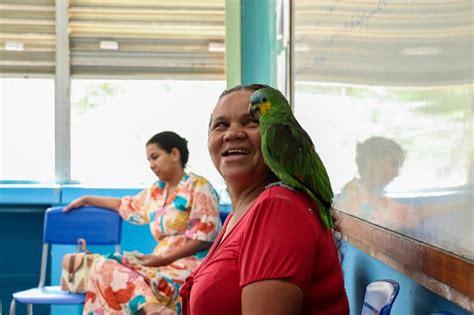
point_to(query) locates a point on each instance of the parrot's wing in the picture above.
(292, 149)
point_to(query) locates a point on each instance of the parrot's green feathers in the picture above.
(288, 150)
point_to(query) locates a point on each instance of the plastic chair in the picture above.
(379, 297)
(97, 226)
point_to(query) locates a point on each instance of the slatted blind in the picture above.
(385, 42)
(120, 38)
(27, 37)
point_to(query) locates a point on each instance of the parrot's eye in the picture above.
(264, 100)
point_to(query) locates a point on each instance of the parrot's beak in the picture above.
(254, 108)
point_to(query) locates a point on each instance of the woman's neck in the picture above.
(371, 186)
(242, 196)
(176, 179)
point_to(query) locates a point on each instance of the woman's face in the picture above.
(162, 163)
(383, 171)
(234, 139)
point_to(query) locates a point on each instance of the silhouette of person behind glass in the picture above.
(378, 162)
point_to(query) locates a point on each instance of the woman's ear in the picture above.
(367, 167)
(176, 155)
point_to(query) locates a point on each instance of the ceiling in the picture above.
(122, 38)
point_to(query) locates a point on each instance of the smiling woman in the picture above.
(234, 138)
(267, 258)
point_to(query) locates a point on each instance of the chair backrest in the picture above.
(379, 297)
(98, 226)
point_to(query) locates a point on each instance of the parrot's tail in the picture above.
(325, 214)
(324, 209)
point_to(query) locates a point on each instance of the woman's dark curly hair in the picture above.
(251, 87)
(167, 140)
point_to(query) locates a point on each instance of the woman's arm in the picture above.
(189, 248)
(278, 297)
(103, 202)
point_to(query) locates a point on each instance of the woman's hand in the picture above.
(189, 248)
(96, 201)
(153, 260)
(76, 203)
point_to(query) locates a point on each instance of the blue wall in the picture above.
(21, 233)
(360, 269)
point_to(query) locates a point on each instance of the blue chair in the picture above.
(97, 226)
(379, 297)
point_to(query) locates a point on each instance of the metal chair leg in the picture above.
(30, 309)
(12, 307)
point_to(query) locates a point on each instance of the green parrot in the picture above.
(288, 150)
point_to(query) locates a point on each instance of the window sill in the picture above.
(52, 194)
(71, 192)
(22, 193)
(446, 274)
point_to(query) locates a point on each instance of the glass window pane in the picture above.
(388, 104)
(111, 120)
(399, 158)
(27, 129)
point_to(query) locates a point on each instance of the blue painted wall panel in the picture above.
(70, 192)
(21, 233)
(29, 194)
(360, 269)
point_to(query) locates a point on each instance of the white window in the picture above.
(111, 121)
(432, 126)
(26, 129)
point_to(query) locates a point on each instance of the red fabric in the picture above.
(278, 238)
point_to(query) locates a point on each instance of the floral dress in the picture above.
(118, 285)
(376, 208)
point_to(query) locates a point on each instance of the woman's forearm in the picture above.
(190, 248)
(103, 202)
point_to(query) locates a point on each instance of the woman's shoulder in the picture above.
(195, 179)
(281, 205)
(352, 185)
(200, 184)
(280, 192)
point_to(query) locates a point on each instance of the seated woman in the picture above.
(378, 162)
(183, 213)
(273, 256)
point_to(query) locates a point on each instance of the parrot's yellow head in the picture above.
(261, 107)
(268, 101)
